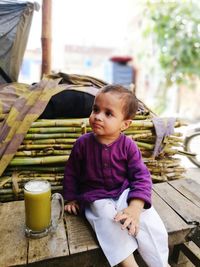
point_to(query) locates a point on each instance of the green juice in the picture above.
(37, 197)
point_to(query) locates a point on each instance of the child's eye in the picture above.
(95, 109)
(108, 114)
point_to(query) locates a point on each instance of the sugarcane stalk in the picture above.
(47, 141)
(38, 168)
(140, 136)
(61, 152)
(35, 153)
(21, 183)
(10, 197)
(22, 175)
(166, 170)
(60, 123)
(48, 136)
(146, 154)
(176, 177)
(145, 145)
(171, 175)
(142, 117)
(26, 176)
(7, 191)
(178, 134)
(186, 153)
(149, 123)
(53, 140)
(158, 178)
(175, 139)
(48, 130)
(161, 165)
(167, 160)
(149, 140)
(16, 161)
(45, 146)
(141, 124)
(32, 153)
(168, 140)
(136, 131)
(175, 144)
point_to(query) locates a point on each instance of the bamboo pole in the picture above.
(46, 37)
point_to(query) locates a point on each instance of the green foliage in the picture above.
(175, 28)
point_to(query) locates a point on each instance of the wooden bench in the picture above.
(74, 243)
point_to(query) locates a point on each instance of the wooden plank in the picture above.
(190, 251)
(92, 258)
(189, 188)
(51, 246)
(176, 227)
(80, 235)
(170, 218)
(13, 244)
(179, 203)
(193, 173)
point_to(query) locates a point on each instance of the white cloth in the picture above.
(117, 244)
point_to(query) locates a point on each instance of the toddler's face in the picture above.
(107, 118)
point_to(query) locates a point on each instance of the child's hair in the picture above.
(130, 102)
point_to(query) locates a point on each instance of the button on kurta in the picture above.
(106, 164)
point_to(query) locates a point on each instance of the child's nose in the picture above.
(98, 116)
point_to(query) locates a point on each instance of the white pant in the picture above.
(117, 244)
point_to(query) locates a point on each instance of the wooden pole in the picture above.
(46, 36)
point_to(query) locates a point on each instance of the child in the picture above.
(106, 178)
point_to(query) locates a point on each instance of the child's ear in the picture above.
(126, 124)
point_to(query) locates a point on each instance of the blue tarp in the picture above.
(15, 22)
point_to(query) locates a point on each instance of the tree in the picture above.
(174, 27)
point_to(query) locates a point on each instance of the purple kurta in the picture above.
(96, 171)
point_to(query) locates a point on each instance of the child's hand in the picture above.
(72, 207)
(130, 216)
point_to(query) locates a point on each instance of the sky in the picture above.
(85, 22)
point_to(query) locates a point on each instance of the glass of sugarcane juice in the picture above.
(38, 206)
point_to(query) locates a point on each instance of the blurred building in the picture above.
(85, 60)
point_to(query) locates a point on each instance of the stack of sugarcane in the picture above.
(48, 143)
(42, 155)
